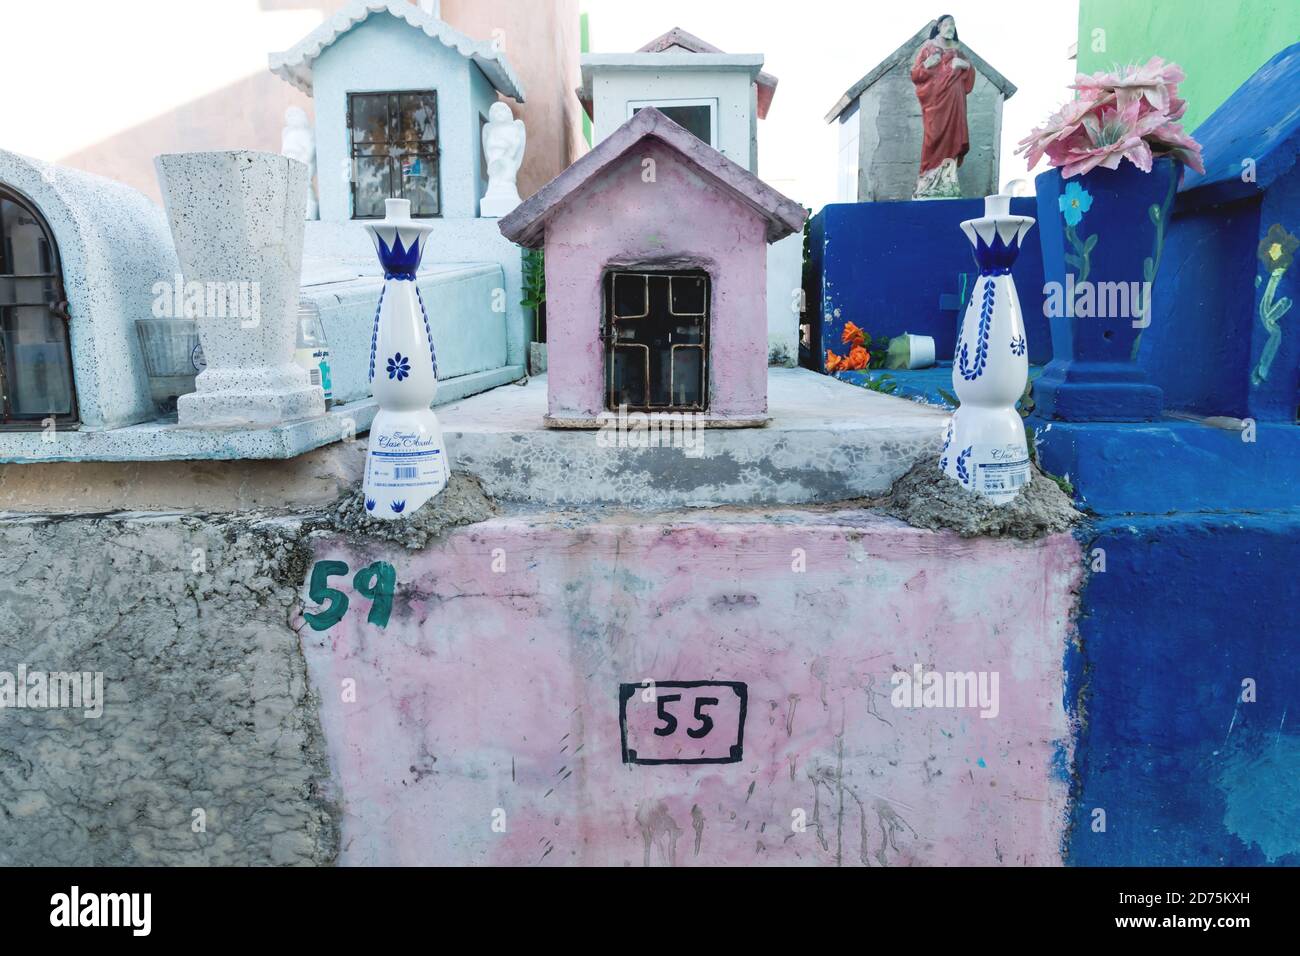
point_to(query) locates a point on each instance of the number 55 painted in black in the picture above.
(676, 722)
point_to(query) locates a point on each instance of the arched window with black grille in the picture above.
(35, 355)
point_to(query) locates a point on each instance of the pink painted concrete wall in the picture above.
(677, 221)
(494, 695)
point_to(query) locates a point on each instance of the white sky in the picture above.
(76, 72)
(819, 48)
(79, 71)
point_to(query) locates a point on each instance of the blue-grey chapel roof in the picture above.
(295, 64)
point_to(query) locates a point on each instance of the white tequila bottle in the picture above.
(985, 447)
(407, 461)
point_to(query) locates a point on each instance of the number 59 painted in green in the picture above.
(377, 581)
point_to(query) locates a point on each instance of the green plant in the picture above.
(883, 383)
(534, 281)
(878, 347)
(1061, 483)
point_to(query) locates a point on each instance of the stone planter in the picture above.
(1102, 235)
(537, 358)
(236, 218)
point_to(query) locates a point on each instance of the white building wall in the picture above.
(732, 89)
(385, 54)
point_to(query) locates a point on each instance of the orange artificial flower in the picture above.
(833, 362)
(853, 335)
(859, 358)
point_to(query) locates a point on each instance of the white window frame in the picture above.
(710, 102)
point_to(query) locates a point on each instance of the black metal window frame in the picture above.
(610, 329)
(433, 154)
(57, 305)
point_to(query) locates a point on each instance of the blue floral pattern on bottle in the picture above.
(370, 504)
(433, 353)
(962, 473)
(1018, 345)
(398, 507)
(970, 371)
(399, 366)
(943, 452)
(374, 336)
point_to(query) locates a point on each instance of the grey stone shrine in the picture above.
(881, 131)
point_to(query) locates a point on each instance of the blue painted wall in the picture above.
(1207, 336)
(1277, 398)
(1196, 347)
(884, 266)
(1187, 607)
(482, 96)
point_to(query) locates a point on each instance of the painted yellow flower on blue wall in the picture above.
(1277, 248)
(1276, 251)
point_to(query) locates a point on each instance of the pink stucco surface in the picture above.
(677, 220)
(492, 695)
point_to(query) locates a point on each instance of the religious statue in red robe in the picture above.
(942, 77)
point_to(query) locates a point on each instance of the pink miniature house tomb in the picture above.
(656, 278)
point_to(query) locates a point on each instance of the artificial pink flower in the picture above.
(1112, 136)
(1129, 114)
(1170, 137)
(1060, 126)
(1156, 82)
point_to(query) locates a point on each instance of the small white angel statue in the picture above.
(504, 138)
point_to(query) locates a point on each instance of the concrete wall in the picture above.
(784, 283)
(1219, 44)
(890, 135)
(481, 723)
(491, 693)
(208, 706)
(679, 221)
(919, 255)
(113, 246)
(733, 90)
(1214, 377)
(1182, 611)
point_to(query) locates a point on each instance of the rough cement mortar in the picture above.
(462, 502)
(927, 498)
(207, 706)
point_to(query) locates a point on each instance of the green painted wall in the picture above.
(1219, 43)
